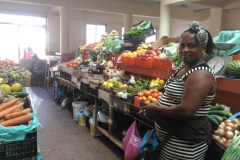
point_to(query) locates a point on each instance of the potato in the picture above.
(15, 68)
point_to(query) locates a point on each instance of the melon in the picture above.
(233, 69)
(6, 88)
(16, 87)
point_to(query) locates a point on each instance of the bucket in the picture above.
(77, 105)
(92, 128)
(82, 118)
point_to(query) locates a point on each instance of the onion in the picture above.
(227, 144)
(229, 134)
(220, 127)
(217, 138)
(229, 124)
(235, 121)
(221, 142)
(235, 127)
(228, 121)
(222, 124)
(220, 132)
(228, 128)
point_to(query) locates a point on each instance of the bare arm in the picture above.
(197, 87)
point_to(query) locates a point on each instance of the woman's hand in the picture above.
(149, 110)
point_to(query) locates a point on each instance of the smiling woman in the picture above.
(185, 102)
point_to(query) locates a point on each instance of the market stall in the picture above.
(127, 75)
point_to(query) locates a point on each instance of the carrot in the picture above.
(2, 120)
(17, 110)
(17, 114)
(8, 104)
(10, 109)
(18, 120)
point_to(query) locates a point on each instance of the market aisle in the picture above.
(61, 138)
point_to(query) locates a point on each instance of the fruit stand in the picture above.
(134, 76)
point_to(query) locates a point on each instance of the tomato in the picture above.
(151, 91)
(155, 95)
(147, 102)
(147, 93)
(149, 98)
(160, 93)
(140, 94)
(144, 99)
(153, 100)
(155, 91)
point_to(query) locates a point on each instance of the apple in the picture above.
(155, 57)
(158, 52)
(154, 53)
(154, 48)
(148, 52)
(139, 55)
(151, 55)
(143, 54)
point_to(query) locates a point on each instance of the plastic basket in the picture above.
(20, 149)
(144, 62)
(124, 60)
(113, 58)
(163, 63)
(131, 61)
(236, 57)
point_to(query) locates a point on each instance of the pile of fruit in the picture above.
(233, 69)
(149, 96)
(110, 83)
(7, 63)
(156, 83)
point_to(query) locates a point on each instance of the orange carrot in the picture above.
(8, 104)
(2, 120)
(10, 109)
(17, 114)
(18, 120)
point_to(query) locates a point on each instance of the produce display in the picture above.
(149, 96)
(7, 63)
(233, 69)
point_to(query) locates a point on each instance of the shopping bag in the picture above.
(149, 141)
(131, 143)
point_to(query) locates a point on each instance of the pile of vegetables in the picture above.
(232, 151)
(7, 63)
(12, 113)
(225, 132)
(218, 114)
(12, 72)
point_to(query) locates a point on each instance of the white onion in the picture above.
(228, 128)
(227, 121)
(229, 124)
(235, 121)
(229, 134)
(220, 132)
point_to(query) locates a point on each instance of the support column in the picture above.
(215, 21)
(64, 30)
(165, 19)
(127, 22)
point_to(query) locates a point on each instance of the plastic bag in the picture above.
(146, 140)
(18, 133)
(171, 51)
(131, 142)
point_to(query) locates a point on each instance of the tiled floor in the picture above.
(61, 138)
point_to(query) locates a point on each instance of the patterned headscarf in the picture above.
(202, 35)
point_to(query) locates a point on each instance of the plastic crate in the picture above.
(214, 152)
(20, 149)
(144, 62)
(124, 60)
(236, 57)
(113, 58)
(162, 63)
(131, 61)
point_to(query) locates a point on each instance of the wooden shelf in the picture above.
(151, 72)
(113, 138)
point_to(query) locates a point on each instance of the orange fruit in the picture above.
(151, 90)
(140, 98)
(140, 94)
(160, 93)
(159, 97)
(153, 100)
(155, 95)
(144, 99)
(147, 93)
(147, 102)
(149, 98)
(155, 91)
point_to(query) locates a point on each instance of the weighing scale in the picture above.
(219, 63)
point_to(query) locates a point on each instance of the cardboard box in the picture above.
(26, 82)
(95, 76)
(164, 40)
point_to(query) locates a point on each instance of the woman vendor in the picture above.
(185, 102)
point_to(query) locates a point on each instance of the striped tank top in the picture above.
(175, 148)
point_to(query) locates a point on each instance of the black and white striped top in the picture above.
(177, 149)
